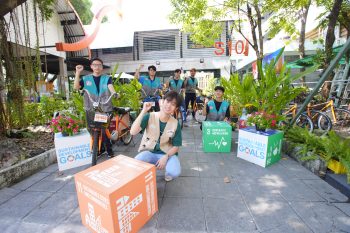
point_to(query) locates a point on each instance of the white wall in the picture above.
(50, 32)
(222, 63)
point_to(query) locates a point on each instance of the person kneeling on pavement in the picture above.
(217, 109)
(162, 135)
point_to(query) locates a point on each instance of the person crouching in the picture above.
(162, 135)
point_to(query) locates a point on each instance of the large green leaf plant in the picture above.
(270, 93)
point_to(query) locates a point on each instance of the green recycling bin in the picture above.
(216, 136)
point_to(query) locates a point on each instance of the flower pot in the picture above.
(65, 134)
(260, 129)
(336, 167)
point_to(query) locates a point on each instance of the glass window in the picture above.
(159, 43)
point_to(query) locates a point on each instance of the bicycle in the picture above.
(152, 99)
(303, 121)
(197, 109)
(119, 128)
(340, 118)
(96, 121)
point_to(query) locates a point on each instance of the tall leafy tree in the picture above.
(83, 9)
(287, 15)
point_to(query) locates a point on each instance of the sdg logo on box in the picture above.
(118, 195)
(261, 148)
(216, 136)
(73, 151)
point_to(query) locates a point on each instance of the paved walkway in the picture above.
(282, 198)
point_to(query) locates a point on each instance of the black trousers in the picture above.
(190, 97)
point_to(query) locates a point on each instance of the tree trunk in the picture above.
(304, 14)
(261, 38)
(255, 46)
(330, 38)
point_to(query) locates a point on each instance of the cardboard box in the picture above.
(118, 195)
(73, 151)
(216, 136)
(261, 148)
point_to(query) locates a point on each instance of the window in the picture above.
(192, 45)
(117, 50)
(158, 43)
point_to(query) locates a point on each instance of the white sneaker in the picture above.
(168, 178)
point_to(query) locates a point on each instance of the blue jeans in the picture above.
(183, 111)
(172, 167)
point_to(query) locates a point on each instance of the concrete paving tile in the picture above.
(269, 214)
(296, 190)
(18, 207)
(150, 226)
(189, 168)
(253, 188)
(326, 191)
(215, 158)
(188, 156)
(23, 227)
(295, 169)
(345, 207)
(212, 170)
(8, 193)
(72, 224)
(243, 168)
(227, 215)
(187, 149)
(70, 228)
(322, 217)
(288, 229)
(181, 215)
(28, 182)
(52, 183)
(63, 204)
(73, 171)
(183, 187)
(217, 188)
(161, 183)
(51, 169)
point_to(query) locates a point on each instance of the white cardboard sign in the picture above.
(73, 151)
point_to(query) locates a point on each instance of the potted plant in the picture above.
(65, 125)
(262, 120)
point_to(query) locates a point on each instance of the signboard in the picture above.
(73, 151)
(261, 148)
(216, 136)
(118, 195)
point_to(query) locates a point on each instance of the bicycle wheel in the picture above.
(95, 147)
(127, 137)
(342, 123)
(305, 122)
(320, 120)
(198, 115)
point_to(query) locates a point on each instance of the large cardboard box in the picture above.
(261, 148)
(216, 136)
(118, 195)
(73, 151)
